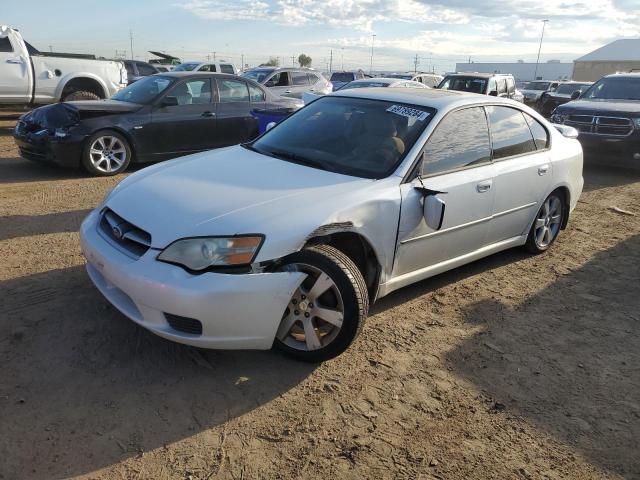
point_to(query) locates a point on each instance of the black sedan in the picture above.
(156, 118)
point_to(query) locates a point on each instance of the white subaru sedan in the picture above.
(287, 240)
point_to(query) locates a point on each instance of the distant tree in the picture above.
(273, 62)
(304, 60)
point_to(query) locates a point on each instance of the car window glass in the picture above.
(511, 85)
(256, 94)
(460, 140)
(299, 78)
(129, 68)
(510, 133)
(493, 87)
(280, 79)
(502, 86)
(540, 134)
(144, 69)
(144, 90)
(232, 91)
(226, 68)
(313, 78)
(192, 92)
(5, 45)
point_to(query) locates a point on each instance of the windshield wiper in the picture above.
(300, 159)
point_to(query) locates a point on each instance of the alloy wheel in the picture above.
(107, 154)
(548, 222)
(315, 313)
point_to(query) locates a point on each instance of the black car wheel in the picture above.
(106, 153)
(326, 313)
(80, 95)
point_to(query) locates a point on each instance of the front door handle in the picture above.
(208, 114)
(14, 60)
(287, 91)
(543, 170)
(483, 187)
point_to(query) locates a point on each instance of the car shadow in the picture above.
(598, 175)
(15, 226)
(19, 170)
(578, 380)
(84, 387)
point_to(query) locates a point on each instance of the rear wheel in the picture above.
(106, 153)
(547, 225)
(80, 95)
(326, 313)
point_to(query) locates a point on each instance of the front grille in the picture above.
(131, 239)
(601, 125)
(184, 324)
(33, 155)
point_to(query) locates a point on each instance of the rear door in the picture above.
(460, 173)
(521, 157)
(299, 82)
(189, 125)
(235, 124)
(15, 85)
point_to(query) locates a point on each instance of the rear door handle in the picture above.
(287, 91)
(483, 187)
(543, 170)
(14, 60)
(208, 114)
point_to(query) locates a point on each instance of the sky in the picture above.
(439, 32)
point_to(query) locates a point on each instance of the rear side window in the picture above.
(207, 68)
(5, 45)
(256, 94)
(540, 134)
(232, 91)
(145, 69)
(470, 130)
(510, 133)
(226, 68)
(313, 79)
(299, 78)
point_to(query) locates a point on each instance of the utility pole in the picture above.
(544, 24)
(242, 62)
(415, 64)
(51, 48)
(343, 59)
(330, 61)
(131, 42)
(293, 60)
(373, 38)
(214, 57)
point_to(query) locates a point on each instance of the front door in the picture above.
(455, 166)
(522, 170)
(14, 74)
(187, 126)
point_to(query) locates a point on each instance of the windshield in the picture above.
(185, 67)
(400, 75)
(615, 88)
(352, 136)
(569, 88)
(342, 77)
(144, 90)
(464, 84)
(538, 86)
(257, 75)
(361, 84)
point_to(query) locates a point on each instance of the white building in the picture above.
(551, 70)
(618, 56)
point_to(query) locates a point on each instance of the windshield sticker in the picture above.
(408, 112)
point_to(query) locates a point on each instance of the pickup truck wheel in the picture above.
(80, 95)
(326, 313)
(106, 153)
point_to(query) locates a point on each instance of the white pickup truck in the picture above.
(29, 77)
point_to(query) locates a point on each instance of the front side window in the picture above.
(232, 91)
(256, 94)
(192, 92)
(460, 140)
(299, 78)
(144, 90)
(538, 86)
(510, 133)
(258, 75)
(280, 79)
(352, 136)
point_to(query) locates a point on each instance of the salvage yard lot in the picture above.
(516, 366)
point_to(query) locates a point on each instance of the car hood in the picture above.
(598, 107)
(67, 114)
(227, 192)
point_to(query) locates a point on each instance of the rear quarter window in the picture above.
(226, 68)
(5, 45)
(510, 132)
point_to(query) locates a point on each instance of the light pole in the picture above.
(373, 38)
(343, 59)
(544, 24)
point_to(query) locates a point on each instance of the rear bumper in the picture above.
(46, 148)
(236, 311)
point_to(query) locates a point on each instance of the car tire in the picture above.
(303, 333)
(80, 95)
(115, 160)
(547, 224)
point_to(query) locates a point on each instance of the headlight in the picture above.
(558, 118)
(200, 253)
(636, 122)
(61, 132)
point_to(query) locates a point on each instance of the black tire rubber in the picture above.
(80, 95)
(355, 298)
(531, 241)
(86, 161)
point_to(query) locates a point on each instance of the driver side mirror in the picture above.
(434, 211)
(576, 95)
(493, 93)
(169, 102)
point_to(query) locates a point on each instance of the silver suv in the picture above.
(291, 82)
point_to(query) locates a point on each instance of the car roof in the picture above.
(477, 74)
(183, 74)
(427, 97)
(386, 80)
(624, 74)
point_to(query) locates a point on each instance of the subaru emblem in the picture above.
(117, 232)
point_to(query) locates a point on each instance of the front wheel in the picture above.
(546, 226)
(326, 313)
(106, 153)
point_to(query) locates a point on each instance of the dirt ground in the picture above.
(514, 367)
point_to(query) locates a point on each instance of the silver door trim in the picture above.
(513, 210)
